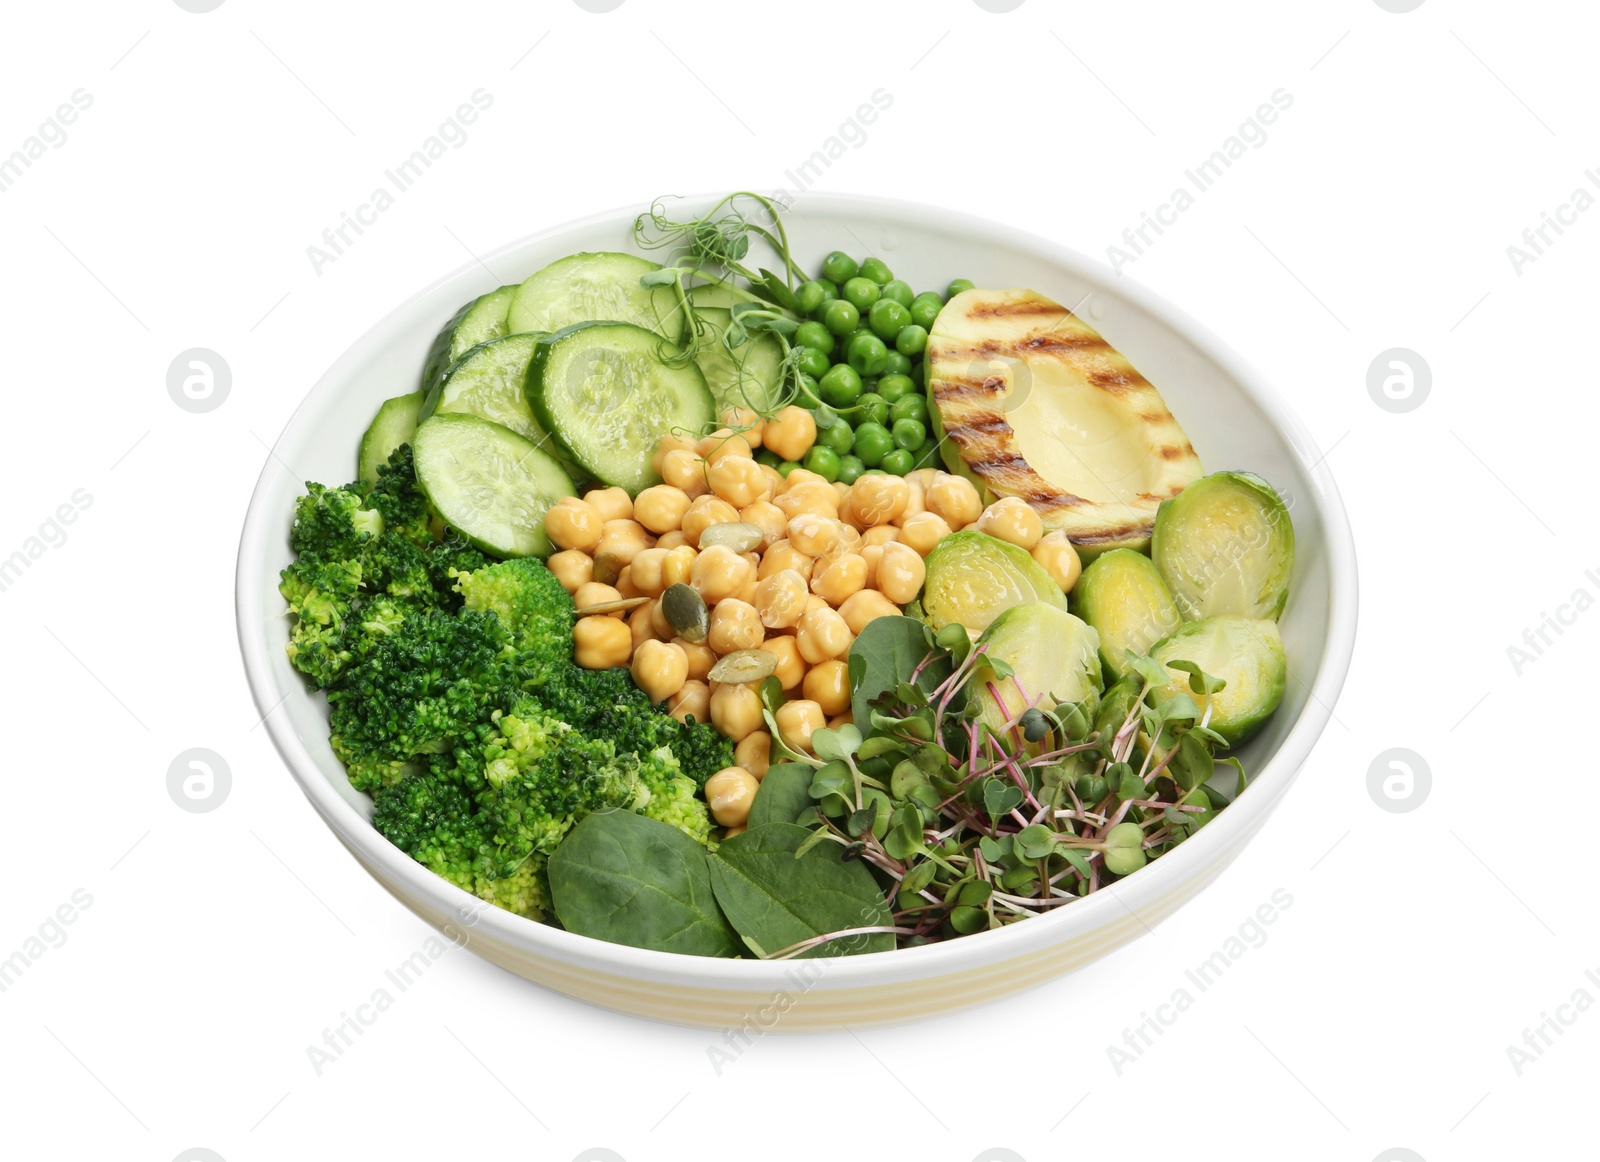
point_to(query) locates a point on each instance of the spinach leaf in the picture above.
(629, 879)
(785, 792)
(775, 900)
(884, 654)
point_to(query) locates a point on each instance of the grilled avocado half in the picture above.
(1033, 402)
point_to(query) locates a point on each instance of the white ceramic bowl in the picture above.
(1234, 421)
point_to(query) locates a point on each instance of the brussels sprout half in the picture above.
(1246, 653)
(1123, 596)
(973, 578)
(1053, 657)
(1225, 544)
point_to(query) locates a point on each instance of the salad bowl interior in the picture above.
(1232, 420)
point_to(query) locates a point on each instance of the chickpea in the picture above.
(791, 432)
(678, 566)
(769, 518)
(574, 524)
(734, 626)
(706, 511)
(901, 573)
(814, 602)
(880, 535)
(798, 720)
(659, 625)
(879, 499)
(791, 669)
(839, 720)
(737, 480)
(645, 571)
(775, 480)
(843, 579)
(684, 470)
(816, 497)
(735, 710)
(748, 593)
(701, 658)
(572, 568)
(623, 539)
(955, 499)
(593, 593)
(625, 583)
(660, 508)
(754, 753)
(923, 477)
(872, 554)
(611, 503)
(669, 443)
(783, 555)
(868, 605)
(781, 599)
(601, 642)
(1014, 521)
(828, 685)
(722, 443)
(915, 504)
(659, 669)
(719, 572)
(639, 625)
(729, 794)
(751, 423)
(693, 698)
(924, 531)
(842, 491)
(813, 535)
(1059, 557)
(730, 832)
(823, 634)
(801, 476)
(672, 539)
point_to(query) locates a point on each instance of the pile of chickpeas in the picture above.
(791, 565)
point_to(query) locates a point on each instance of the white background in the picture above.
(1419, 946)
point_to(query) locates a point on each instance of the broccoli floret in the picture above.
(672, 795)
(434, 822)
(532, 604)
(400, 500)
(333, 522)
(320, 594)
(420, 689)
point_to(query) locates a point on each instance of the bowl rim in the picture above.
(1150, 884)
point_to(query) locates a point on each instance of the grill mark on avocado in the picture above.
(1021, 310)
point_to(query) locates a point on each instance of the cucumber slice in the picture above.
(602, 391)
(488, 382)
(489, 482)
(395, 424)
(482, 319)
(751, 377)
(603, 287)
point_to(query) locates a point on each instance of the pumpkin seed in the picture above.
(612, 606)
(607, 568)
(685, 611)
(744, 666)
(738, 535)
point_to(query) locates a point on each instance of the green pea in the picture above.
(813, 294)
(840, 317)
(811, 362)
(899, 291)
(768, 457)
(895, 387)
(886, 317)
(841, 387)
(808, 390)
(871, 408)
(912, 340)
(824, 461)
(956, 287)
(897, 364)
(877, 270)
(909, 407)
(860, 293)
(929, 457)
(839, 438)
(838, 267)
(925, 308)
(910, 435)
(873, 443)
(850, 469)
(813, 334)
(787, 466)
(824, 417)
(867, 354)
(898, 462)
